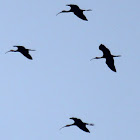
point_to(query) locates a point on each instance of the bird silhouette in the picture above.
(80, 124)
(22, 50)
(108, 56)
(77, 11)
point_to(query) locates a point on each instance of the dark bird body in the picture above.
(23, 50)
(76, 10)
(109, 57)
(80, 124)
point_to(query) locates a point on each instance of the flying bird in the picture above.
(80, 124)
(77, 11)
(108, 56)
(22, 50)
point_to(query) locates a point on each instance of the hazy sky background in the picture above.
(39, 96)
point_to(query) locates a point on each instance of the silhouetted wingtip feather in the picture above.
(110, 63)
(87, 130)
(114, 70)
(105, 50)
(27, 56)
(84, 129)
(30, 58)
(20, 47)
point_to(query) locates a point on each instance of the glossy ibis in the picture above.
(108, 56)
(22, 50)
(80, 124)
(76, 10)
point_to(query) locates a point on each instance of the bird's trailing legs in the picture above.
(116, 55)
(91, 124)
(87, 10)
(31, 50)
(96, 58)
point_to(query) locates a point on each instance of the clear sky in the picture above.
(39, 96)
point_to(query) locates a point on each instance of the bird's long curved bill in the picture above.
(62, 127)
(59, 13)
(66, 126)
(92, 59)
(7, 52)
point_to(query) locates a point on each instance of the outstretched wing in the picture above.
(20, 47)
(83, 127)
(105, 50)
(77, 11)
(80, 15)
(26, 54)
(76, 120)
(110, 63)
(73, 7)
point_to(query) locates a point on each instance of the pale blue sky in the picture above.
(39, 96)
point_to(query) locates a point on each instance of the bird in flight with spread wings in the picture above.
(77, 11)
(22, 50)
(80, 124)
(108, 56)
